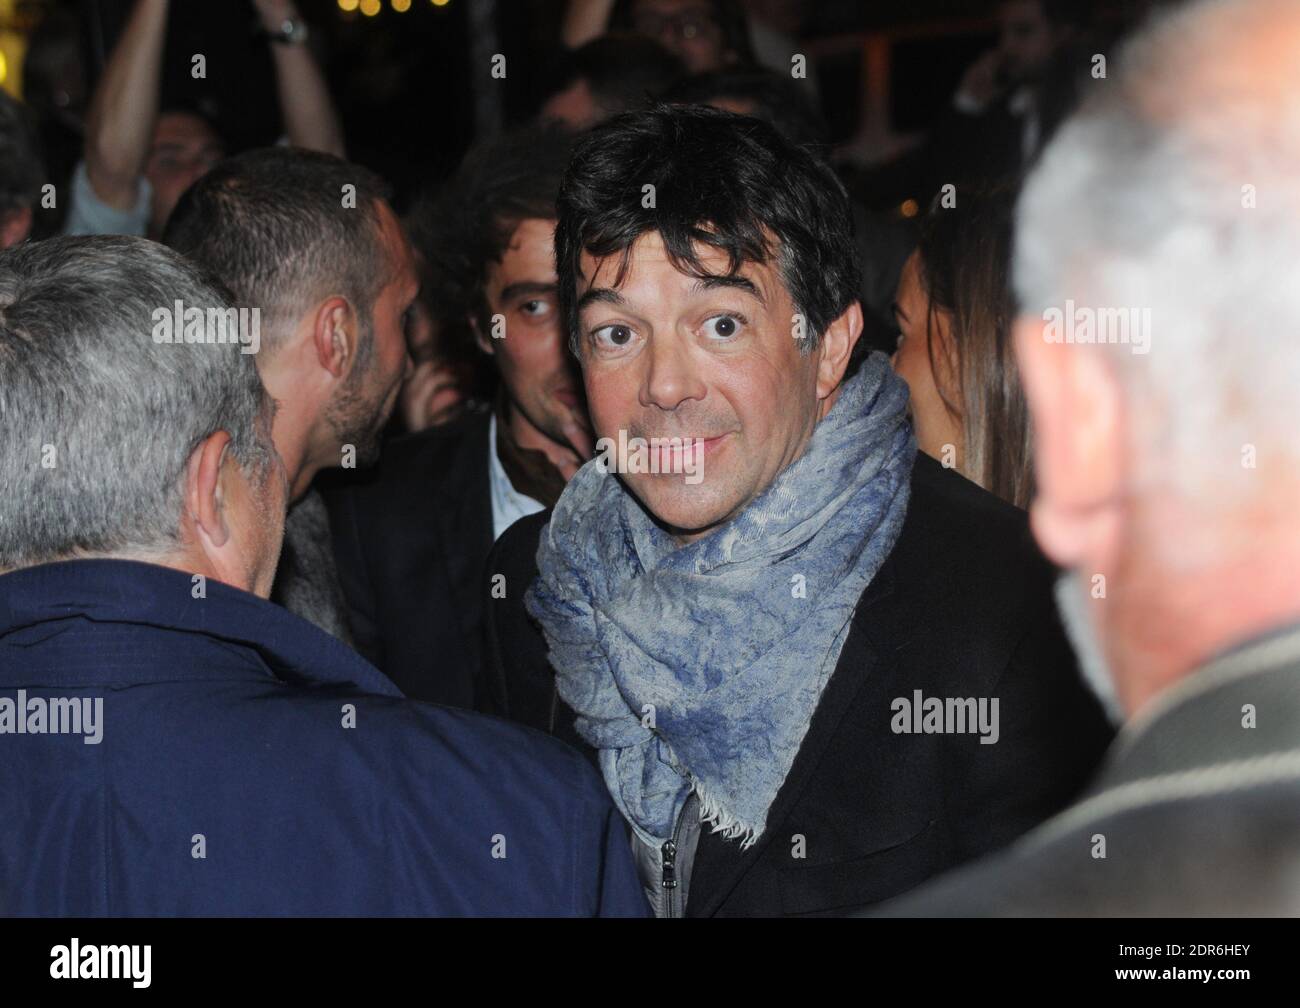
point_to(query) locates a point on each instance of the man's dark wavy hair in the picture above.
(722, 180)
(466, 226)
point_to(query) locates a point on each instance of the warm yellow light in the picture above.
(401, 6)
(370, 7)
(909, 208)
(4, 68)
(348, 5)
(441, 3)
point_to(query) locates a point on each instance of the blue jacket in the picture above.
(249, 764)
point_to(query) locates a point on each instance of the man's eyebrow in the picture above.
(736, 282)
(601, 295)
(523, 287)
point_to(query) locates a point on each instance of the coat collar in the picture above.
(1227, 727)
(130, 593)
(1243, 704)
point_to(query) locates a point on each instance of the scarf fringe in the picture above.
(721, 819)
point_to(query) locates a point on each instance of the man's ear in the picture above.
(334, 335)
(1077, 406)
(15, 226)
(837, 345)
(203, 493)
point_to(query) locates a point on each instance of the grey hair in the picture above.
(97, 420)
(1142, 201)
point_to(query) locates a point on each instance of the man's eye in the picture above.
(537, 308)
(613, 336)
(722, 326)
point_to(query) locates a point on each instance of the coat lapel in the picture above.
(462, 509)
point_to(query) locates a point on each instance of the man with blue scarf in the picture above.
(814, 668)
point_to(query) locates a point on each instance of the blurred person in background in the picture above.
(608, 75)
(446, 379)
(21, 172)
(757, 91)
(1008, 104)
(139, 157)
(54, 88)
(704, 34)
(954, 312)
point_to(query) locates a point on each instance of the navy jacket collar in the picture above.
(147, 595)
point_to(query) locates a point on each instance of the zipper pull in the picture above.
(668, 852)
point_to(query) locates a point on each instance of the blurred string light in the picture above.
(13, 45)
(370, 8)
(909, 208)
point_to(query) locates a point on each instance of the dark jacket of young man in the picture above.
(411, 536)
(243, 762)
(962, 607)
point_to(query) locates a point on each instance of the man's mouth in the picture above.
(680, 453)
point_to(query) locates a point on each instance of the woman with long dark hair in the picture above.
(954, 310)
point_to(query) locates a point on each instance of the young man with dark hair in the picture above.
(790, 628)
(411, 537)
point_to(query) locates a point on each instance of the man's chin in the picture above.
(684, 511)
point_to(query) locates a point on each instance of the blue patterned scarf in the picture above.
(699, 666)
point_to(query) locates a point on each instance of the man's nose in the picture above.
(670, 377)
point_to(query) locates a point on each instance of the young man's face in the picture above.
(540, 377)
(668, 355)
